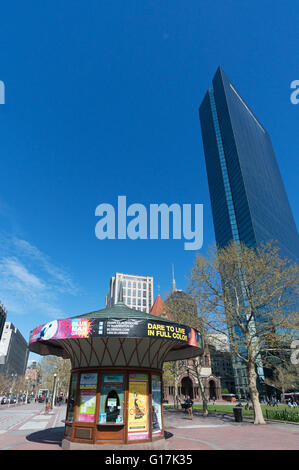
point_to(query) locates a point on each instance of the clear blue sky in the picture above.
(102, 100)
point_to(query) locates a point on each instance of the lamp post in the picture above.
(54, 390)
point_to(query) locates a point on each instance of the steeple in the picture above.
(173, 284)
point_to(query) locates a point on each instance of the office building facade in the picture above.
(135, 291)
(221, 360)
(248, 199)
(3, 314)
(13, 351)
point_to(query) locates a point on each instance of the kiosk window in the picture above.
(112, 407)
(112, 399)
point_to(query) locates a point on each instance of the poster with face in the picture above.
(138, 407)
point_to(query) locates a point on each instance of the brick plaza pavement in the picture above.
(211, 433)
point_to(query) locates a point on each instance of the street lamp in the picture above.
(53, 393)
(13, 379)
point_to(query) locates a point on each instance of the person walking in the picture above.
(184, 405)
(189, 405)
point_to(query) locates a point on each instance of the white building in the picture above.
(136, 291)
(13, 351)
(219, 341)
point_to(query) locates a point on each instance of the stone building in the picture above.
(186, 376)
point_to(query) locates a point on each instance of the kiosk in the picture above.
(115, 393)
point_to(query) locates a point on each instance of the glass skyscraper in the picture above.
(248, 198)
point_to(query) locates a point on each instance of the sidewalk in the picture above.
(211, 433)
(26, 436)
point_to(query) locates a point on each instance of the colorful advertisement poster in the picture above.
(66, 328)
(87, 406)
(138, 407)
(193, 337)
(88, 381)
(132, 328)
(156, 405)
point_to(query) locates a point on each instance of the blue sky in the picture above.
(102, 100)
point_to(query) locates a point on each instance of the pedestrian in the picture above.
(185, 406)
(48, 406)
(189, 404)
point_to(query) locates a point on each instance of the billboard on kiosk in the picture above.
(131, 328)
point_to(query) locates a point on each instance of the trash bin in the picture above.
(238, 415)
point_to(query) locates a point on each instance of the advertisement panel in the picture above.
(118, 328)
(87, 406)
(138, 426)
(65, 328)
(88, 381)
(156, 406)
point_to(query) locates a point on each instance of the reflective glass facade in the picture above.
(248, 198)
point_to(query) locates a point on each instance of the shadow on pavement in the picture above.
(47, 436)
(167, 435)
(54, 436)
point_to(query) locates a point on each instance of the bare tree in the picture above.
(51, 365)
(249, 294)
(171, 373)
(285, 378)
(184, 310)
(196, 369)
